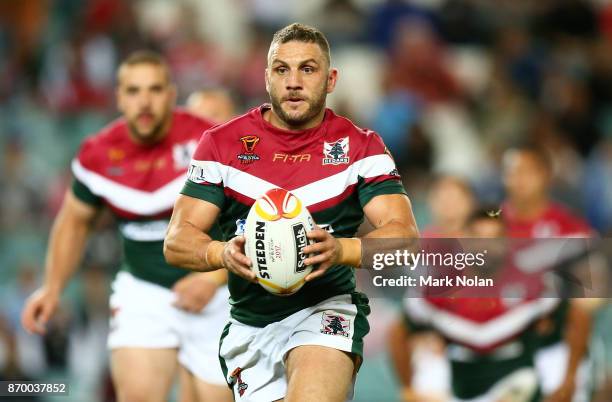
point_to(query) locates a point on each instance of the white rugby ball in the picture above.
(275, 232)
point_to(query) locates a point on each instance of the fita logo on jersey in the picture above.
(278, 203)
(335, 324)
(249, 142)
(236, 378)
(336, 153)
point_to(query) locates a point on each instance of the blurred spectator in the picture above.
(451, 202)
(213, 104)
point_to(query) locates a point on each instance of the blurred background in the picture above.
(449, 85)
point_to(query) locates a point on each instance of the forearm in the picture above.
(400, 353)
(577, 334)
(67, 243)
(188, 247)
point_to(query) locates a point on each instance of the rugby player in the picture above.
(162, 317)
(282, 347)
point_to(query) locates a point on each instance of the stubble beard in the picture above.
(315, 106)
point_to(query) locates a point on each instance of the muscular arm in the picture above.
(400, 353)
(188, 245)
(390, 214)
(187, 240)
(392, 217)
(67, 242)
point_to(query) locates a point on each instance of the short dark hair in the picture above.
(302, 33)
(541, 154)
(144, 57)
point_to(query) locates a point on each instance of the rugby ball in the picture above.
(275, 232)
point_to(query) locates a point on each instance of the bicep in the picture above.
(194, 212)
(384, 209)
(76, 211)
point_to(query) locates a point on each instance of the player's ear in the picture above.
(267, 79)
(332, 78)
(173, 94)
(118, 98)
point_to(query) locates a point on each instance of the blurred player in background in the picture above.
(490, 340)
(529, 212)
(280, 348)
(451, 202)
(162, 317)
(214, 104)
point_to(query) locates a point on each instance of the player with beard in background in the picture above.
(282, 347)
(162, 318)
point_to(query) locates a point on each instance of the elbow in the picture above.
(169, 254)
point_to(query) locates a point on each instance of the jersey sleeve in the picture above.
(378, 174)
(82, 167)
(205, 175)
(83, 193)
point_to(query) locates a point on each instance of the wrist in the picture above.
(213, 255)
(350, 251)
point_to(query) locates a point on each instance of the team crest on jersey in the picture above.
(249, 142)
(236, 378)
(336, 153)
(335, 324)
(181, 154)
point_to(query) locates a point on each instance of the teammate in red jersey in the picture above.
(530, 212)
(162, 317)
(281, 347)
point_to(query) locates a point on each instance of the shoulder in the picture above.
(189, 124)
(103, 145)
(217, 142)
(359, 135)
(233, 129)
(571, 223)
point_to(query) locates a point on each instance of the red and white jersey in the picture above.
(555, 221)
(139, 184)
(138, 181)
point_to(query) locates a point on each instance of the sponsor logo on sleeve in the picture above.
(196, 174)
(336, 153)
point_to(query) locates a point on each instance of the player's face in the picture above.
(298, 79)
(146, 98)
(525, 178)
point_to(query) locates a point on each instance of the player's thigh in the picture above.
(141, 374)
(187, 391)
(318, 374)
(207, 392)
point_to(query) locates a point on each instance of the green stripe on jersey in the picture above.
(253, 305)
(145, 260)
(82, 192)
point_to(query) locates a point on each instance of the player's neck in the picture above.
(531, 208)
(277, 122)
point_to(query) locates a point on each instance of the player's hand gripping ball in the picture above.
(275, 232)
